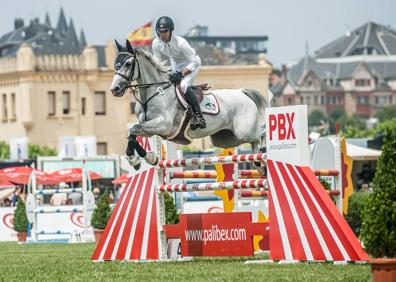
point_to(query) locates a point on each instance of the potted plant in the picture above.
(379, 216)
(101, 215)
(20, 221)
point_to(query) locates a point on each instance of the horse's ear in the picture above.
(119, 47)
(129, 47)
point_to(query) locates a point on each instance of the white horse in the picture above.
(240, 118)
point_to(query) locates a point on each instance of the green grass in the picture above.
(63, 262)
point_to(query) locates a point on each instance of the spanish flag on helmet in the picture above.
(142, 36)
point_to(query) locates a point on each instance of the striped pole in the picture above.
(326, 172)
(260, 194)
(193, 174)
(54, 191)
(250, 174)
(239, 184)
(58, 209)
(253, 194)
(213, 160)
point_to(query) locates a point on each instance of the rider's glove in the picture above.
(176, 77)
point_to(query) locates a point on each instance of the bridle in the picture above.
(160, 90)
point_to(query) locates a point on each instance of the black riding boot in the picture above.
(197, 121)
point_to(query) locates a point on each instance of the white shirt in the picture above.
(179, 52)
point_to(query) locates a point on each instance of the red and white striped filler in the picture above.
(132, 231)
(305, 224)
(228, 185)
(213, 160)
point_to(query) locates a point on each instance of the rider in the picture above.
(185, 64)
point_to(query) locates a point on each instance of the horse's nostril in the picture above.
(117, 88)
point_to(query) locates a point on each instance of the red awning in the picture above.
(121, 179)
(72, 175)
(21, 175)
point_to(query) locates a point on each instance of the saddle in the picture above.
(198, 90)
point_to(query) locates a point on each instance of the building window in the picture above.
(289, 101)
(363, 100)
(308, 99)
(132, 105)
(83, 106)
(381, 100)
(101, 148)
(51, 103)
(100, 103)
(315, 100)
(4, 106)
(302, 100)
(66, 102)
(322, 100)
(362, 82)
(13, 106)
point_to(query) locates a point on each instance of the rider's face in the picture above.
(164, 35)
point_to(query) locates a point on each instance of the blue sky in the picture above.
(289, 24)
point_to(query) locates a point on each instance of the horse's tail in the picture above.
(259, 100)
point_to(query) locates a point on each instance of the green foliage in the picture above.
(379, 217)
(102, 212)
(326, 185)
(353, 131)
(356, 205)
(20, 219)
(315, 118)
(386, 113)
(35, 150)
(4, 151)
(171, 216)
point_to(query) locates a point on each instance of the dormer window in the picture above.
(362, 82)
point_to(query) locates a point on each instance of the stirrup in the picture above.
(134, 161)
(151, 158)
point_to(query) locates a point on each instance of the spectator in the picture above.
(15, 196)
(58, 199)
(96, 192)
(75, 197)
(6, 202)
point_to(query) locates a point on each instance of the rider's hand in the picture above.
(176, 76)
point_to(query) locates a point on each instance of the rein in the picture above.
(134, 87)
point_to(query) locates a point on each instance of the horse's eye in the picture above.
(128, 64)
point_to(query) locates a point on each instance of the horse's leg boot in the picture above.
(198, 120)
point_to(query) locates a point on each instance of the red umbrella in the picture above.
(72, 175)
(121, 179)
(4, 183)
(21, 175)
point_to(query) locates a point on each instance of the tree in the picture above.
(170, 210)
(20, 219)
(386, 113)
(4, 151)
(315, 118)
(379, 217)
(102, 212)
(35, 150)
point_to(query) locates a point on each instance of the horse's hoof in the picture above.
(151, 158)
(134, 161)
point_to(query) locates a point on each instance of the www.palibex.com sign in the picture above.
(287, 135)
(217, 234)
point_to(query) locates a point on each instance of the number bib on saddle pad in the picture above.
(208, 102)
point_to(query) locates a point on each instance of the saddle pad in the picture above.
(209, 104)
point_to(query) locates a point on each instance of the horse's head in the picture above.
(124, 67)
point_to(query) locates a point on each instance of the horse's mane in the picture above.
(152, 60)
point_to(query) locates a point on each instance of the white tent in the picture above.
(358, 153)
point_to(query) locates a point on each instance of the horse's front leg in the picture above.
(134, 145)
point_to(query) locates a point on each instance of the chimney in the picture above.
(284, 70)
(18, 23)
